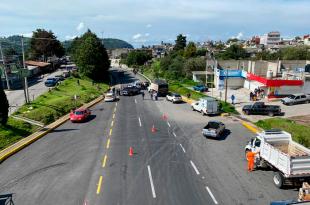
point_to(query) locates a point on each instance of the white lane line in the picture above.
(212, 196)
(135, 101)
(182, 148)
(115, 104)
(140, 122)
(168, 124)
(174, 134)
(151, 181)
(195, 168)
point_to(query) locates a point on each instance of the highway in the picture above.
(89, 163)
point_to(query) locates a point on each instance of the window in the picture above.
(257, 142)
(303, 96)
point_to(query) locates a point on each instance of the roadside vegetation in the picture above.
(299, 132)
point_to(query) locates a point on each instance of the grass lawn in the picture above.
(49, 107)
(299, 132)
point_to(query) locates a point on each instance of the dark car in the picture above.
(59, 77)
(201, 88)
(51, 82)
(145, 85)
(130, 91)
(259, 108)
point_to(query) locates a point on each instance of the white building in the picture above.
(272, 38)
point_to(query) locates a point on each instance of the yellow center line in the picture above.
(113, 115)
(115, 104)
(110, 132)
(99, 185)
(104, 160)
(112, 123)
(108, 143)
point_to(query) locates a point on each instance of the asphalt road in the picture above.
(89, 163)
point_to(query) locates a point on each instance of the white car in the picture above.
(174, 97)
(110, 97)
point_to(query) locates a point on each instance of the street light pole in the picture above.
(26, 91)
(5, 73)
(226, 85)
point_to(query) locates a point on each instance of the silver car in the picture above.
(213, 129)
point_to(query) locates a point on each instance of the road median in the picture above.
(11, 150)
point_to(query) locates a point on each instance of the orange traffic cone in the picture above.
(130, 151)
(153, 129)
(165, 117)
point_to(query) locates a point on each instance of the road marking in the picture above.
(115, 109)
(115, 104)
(195, 168)
(212, 196)
(168, 124)
(112, 123)
(99, 185)
(104, 160)
(135, 101)
(250, 127)
(110, 131)
(140, 122)
(113, 115)
(108, 143)
(174, 134)
(151, 181)
(182, 148)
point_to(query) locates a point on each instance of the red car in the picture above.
(79, 115)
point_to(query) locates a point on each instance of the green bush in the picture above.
(300, 133)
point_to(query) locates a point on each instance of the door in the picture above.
(297, 100)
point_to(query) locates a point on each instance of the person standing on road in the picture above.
(156, 96)
(250, 156)
(142, 95)
(233, 99)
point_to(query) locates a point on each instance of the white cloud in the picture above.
(147, 35)
(68, 37)
(239, 36)
(80, 27)
(148, 26)
(28, 35)
(137, 36)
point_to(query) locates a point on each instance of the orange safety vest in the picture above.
(250, 156)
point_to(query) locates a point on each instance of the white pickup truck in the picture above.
(206, 106)
(278, 151)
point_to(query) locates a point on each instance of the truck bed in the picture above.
(291, 149)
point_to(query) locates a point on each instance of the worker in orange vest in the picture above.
(250, 156)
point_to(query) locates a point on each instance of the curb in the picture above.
(16, 147)
(250, 127)
(144, 76)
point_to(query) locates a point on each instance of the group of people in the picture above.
(257, 94)
(154, 95)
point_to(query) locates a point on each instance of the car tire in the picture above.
(247, 112)
(202, 113)
(270, 114)
(278, 180)
(290, 104)
(193, 108)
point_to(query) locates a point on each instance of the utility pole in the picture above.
(5, 73)
(226, 81)
(26, 91)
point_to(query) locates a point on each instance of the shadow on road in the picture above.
(63, 130)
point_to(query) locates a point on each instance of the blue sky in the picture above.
(151, 21)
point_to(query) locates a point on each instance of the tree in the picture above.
(194, 64)
(190, 50)
(235, 52)
(91, 57)
(180, 42)
(44, 43)
(4, 108)
(295, 53)
(138, 58)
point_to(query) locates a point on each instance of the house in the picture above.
(38, 66)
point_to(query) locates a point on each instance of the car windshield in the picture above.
(79, 112)
(177, 95)
(213, 125)
(291, 96)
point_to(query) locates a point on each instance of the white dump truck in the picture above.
(276, 150)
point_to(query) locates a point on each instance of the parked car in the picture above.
(110, 97)
(79, 115)
(213, 129)
(129, 91)
(296, 99)
(51, 82)
(206, 106)
(200, 88)
(173, 97)
(259, 108)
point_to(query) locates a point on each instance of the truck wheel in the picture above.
(278, 180)
(193, 108)
(290, 104)
(270, 114)
(202, 113)
(247, 112)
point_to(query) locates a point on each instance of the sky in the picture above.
(147, 22)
